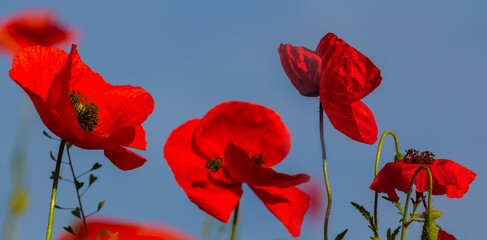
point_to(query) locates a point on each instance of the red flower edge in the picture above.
(33, 27)
(442, 235)
(341, 76)
(237, 133)
(49, 75)
(449, 178)
(106, 229)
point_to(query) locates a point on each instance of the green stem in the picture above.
(77, 193)
(325, 173)
(235, 221)
(54, 189)
(430, 190)
(379, 149)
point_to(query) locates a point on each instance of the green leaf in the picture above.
(100, 205)
(395, 233)
(375, 238)
(58, 207)
(397, 204)
(92, 179)
(52, 157)
(46, 134)
(69, 229)
(341, 235)
(95, 166)
(78, 184)
(367, 216)
(76, 212)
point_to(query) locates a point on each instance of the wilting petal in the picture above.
(243, 169)
(303, 67)
(288, 204)
(254, 128)
(356, 121)
(124, 158)
(215, 198)
(449, 178)
(347, 73)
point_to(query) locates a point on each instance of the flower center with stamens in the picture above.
(214, 164)
(413, 156)
(258, 159)
(86, 111)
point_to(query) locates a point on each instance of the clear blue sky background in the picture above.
(193, 55)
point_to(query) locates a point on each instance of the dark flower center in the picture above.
(413, 156)
(86, 111)
(258, 159)
(216, 163)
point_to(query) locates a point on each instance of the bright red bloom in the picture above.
(237, 142)
(341, 76)
(33, 27)
(449, 178)
(111, 229)
(442, 235)
(80, 107)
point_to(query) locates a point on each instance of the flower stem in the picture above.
(325, 172)
(77, 193)
(430, 191)
(54, 189)
(377, 166)
(235, 221)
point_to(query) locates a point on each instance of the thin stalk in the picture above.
(430, 190)
(379, 149)
(54, 189)
(77, 194)
(235, 221)
(325, 173)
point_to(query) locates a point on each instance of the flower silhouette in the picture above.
(80, 107)
(235, 143)
(341, 76)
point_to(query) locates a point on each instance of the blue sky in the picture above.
(193, 55)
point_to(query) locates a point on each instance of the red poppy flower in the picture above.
(442, 235)
(111, 229)
(449, 178)
(33, 27)
(80, 107)
(341, 76)
(235, 143)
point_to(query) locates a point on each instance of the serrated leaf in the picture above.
(69, 229)
(395, 233)
(368, 217)
(52, 156)
(76, 212)
(95, 166)
(396, 203)
(92, 179)
(341, 235)
(78, 184)
(100, 205)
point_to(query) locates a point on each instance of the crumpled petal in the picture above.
(449, 178)
(288, 204)
(347, 75)
(215, 198)
(103, 228)
(355, 121)
(303, 67)
(442, 235)
(250, 126)
(243, 169)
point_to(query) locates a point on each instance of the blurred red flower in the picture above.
(33, 27)
(341, 76)
(237, 142)
(112, 229)
(449, 178)
(442, 235)
(80, 107)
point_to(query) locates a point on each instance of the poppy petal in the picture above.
(442, 235)
(254, 128)
(303, 67)
(215, 198)
(354, 120)
(242, 168)
(133, 137)
(288, 204)
(346, 72)
(123, 158)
